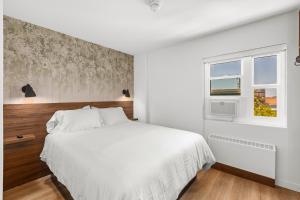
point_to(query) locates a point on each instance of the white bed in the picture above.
(127, 161)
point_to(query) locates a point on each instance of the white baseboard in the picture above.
(288, 185)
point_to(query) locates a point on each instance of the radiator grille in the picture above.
(244, 142)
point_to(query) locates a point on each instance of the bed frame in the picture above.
(67, 195)
(22, 155)
(62, 189)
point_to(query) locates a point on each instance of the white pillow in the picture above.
(54, 121)
(83, 119)
(57, 118)
(112, 116)
(86, 107)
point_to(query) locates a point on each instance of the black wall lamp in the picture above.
(297, 62)
(126, 93)
(28, 90)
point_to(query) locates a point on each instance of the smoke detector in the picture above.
(155, 5)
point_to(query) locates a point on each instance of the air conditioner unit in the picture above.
(222, 108)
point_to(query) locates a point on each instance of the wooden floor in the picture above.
(210, 185)
(217, 185)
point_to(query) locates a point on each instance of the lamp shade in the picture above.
(28, 90)
(126, 93)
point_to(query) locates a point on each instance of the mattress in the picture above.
(127, 161)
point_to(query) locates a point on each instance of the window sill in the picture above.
(263, 123)
(253, 123)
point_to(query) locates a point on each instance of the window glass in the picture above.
(226, 69)
(265, 70)
(228, 86)
(265, 102)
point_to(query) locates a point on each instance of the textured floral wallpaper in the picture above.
(61, 68)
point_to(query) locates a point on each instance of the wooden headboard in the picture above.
(22, 157)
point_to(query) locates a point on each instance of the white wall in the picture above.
(140, 90)
(175, 79)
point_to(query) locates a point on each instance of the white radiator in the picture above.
(248, 155)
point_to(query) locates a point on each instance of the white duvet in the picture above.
(127, 161)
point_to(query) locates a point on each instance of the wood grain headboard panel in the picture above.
(21, 160)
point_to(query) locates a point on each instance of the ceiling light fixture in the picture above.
(155, 5)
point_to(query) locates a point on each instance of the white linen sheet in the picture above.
(127, 161)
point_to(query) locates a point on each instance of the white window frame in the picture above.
(247, 85)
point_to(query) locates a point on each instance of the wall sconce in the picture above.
(126, 93)
(28, 90)
(297, 62)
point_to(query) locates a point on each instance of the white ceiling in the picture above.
(130, 25)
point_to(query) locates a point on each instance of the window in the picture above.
(265, 70)
(265, 86)
(255, 79)
(265, 102)
(225, 78)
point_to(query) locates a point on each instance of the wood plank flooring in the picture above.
(218, 185)
(40, 189)
(210, 185)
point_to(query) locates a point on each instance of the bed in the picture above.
(127, 160)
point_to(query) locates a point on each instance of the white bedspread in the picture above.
(126, 161)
